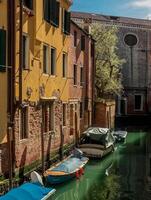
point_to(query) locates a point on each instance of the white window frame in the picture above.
(47, 59)
(26, 67)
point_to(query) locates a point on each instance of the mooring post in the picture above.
(9, 141)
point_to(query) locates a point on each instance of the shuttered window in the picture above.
(82, 42)
(46, 6)
(45, 59)
(81, 109)
(64, 112)
(75, 74)
(52, 12)
(24, 123)
(2, 50)
(28, 4)
(25, 53)
(53, 61)
(64, 65)
(66, 23)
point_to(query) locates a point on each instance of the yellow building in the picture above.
(3, 75)
(40, 79)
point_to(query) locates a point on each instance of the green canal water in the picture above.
(122, 175)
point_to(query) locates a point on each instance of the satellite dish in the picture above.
(36, 178)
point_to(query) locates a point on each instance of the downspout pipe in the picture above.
(20, 50)
(11, 49)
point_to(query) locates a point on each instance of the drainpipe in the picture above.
(20, 50)
(11, 43)
(93, 82)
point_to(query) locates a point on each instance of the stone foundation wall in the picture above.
(29, 150)
(105, 114)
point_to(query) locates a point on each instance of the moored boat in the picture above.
(120, 136)
(97, 142)
(30, 191)
(69, 168)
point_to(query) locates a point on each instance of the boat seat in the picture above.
(54, 173)
(96, 146)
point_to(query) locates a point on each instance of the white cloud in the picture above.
(141, 4)
(148, 16)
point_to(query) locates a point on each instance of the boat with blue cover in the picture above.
(69, 168)
(29, 191)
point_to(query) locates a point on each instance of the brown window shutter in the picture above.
(2, 50)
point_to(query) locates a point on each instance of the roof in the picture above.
(107, 18)
(81, 29)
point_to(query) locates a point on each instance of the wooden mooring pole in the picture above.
(9, 141)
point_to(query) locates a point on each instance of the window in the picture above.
(81, 109)
(28, 4)
(82, 42)
(64, 65)
(25, 55)
(2, 50)
(138, 102)
(75, 74)
(75, 38)
(66, 21)
(53, 61)
(64, 114)
(130, 40)
(24, 123)
(52, 12)
(81, 76)
(92, 49)
(45, 59)
(48, 117)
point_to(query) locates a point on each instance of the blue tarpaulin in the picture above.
(70, 165)
(27, 191)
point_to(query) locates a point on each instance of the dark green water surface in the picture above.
(122, 175)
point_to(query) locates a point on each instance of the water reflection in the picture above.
(123, 175)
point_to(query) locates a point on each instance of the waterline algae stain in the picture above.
(122, 175)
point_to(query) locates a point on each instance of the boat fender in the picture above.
(81, 171)
(77, 174)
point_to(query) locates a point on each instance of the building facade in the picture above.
(39, 103)
(37, 82)
(3, 76)
(81, 73)
(135, 47)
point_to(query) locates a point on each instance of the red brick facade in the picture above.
(81, 93)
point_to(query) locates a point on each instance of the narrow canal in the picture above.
(123, 175)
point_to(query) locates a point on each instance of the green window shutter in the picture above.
(67, 17)
(2, 50)
(52, 11)
(57, 13)
(46, 5)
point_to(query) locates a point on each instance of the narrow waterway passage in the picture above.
(123, 175)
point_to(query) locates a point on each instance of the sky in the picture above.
(127, 8)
